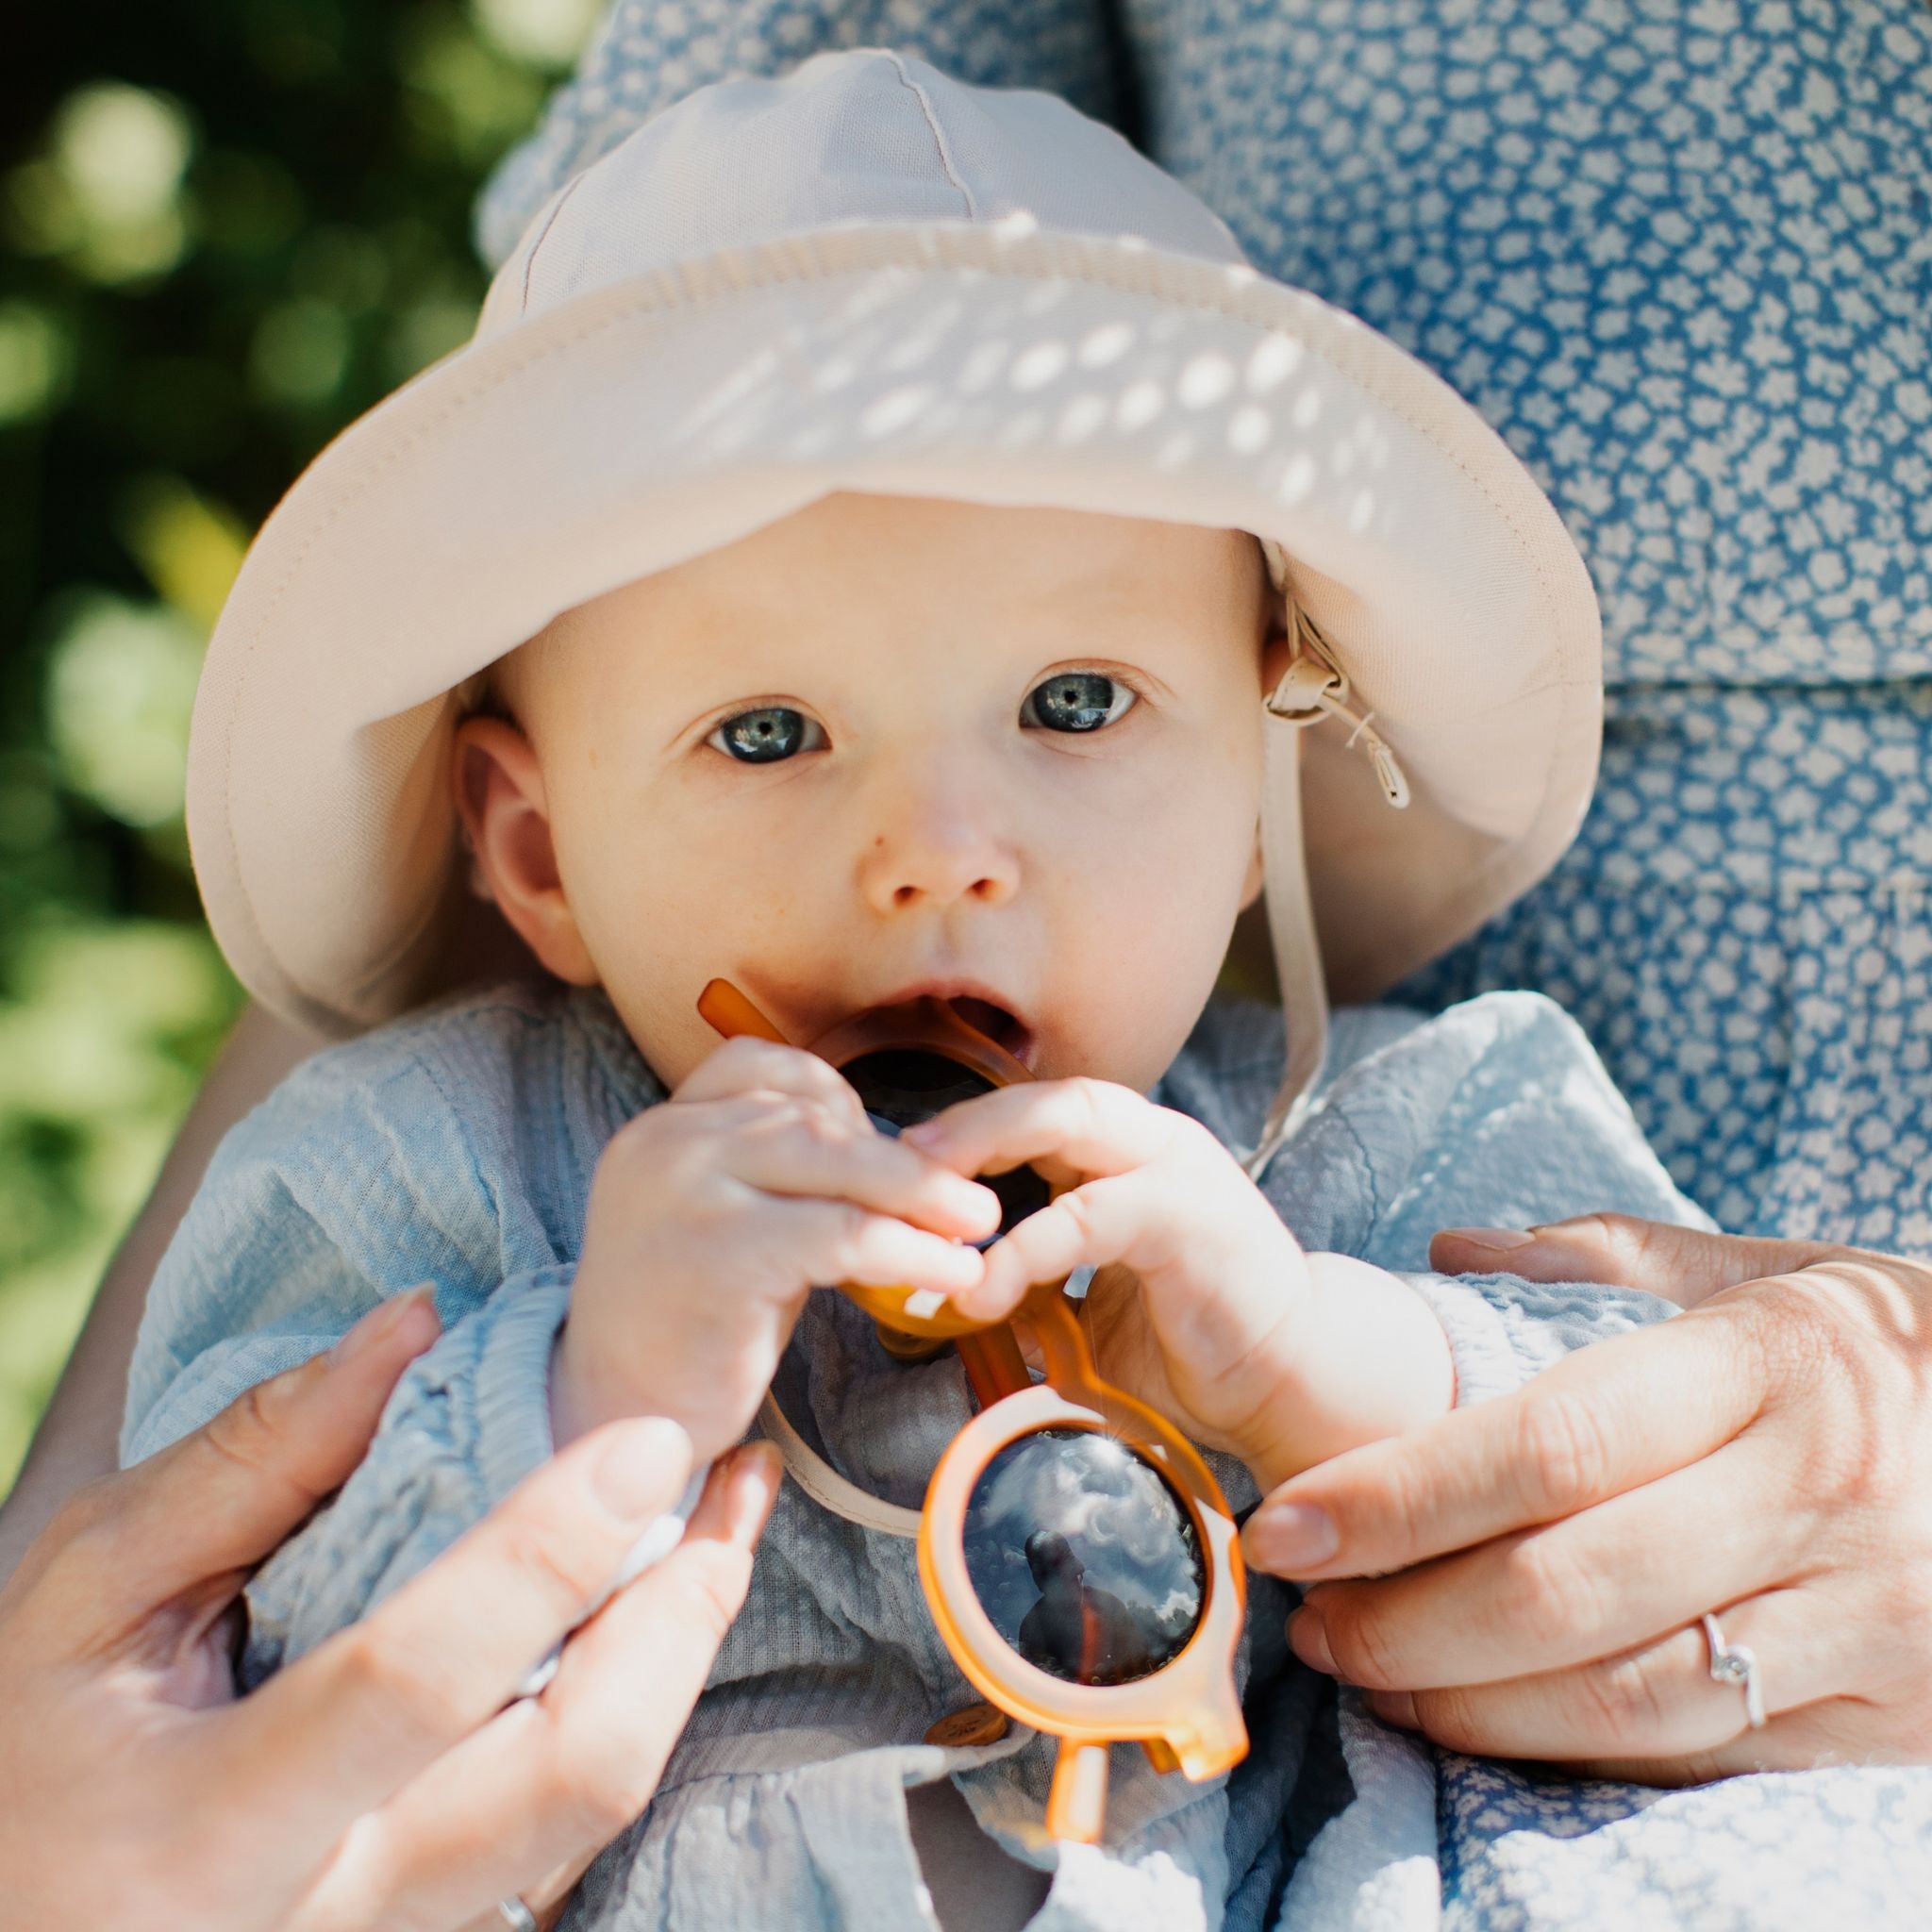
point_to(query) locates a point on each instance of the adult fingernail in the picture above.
(1395, 1708)
(1289, 1539)
(1498, 1240)
(757, 1468)
(641, 1471)
(1309, 1641)
(379, 1323)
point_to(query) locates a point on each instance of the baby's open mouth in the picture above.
(1000, 1026)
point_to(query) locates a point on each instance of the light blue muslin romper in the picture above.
(1679, 252)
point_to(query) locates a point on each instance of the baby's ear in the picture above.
(504, 810)
(1278, 646)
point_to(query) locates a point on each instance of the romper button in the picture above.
(976, 1723)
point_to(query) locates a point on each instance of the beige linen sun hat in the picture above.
(866, 275)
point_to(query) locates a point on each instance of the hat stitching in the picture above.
(939, 134)
(1245, 297)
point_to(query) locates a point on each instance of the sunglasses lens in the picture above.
(1084, 1558)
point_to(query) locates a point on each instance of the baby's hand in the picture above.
(714, 1212)
(1213, 1315)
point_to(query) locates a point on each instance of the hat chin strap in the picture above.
(1291, 932)
(825, 1486)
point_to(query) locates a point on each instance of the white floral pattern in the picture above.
(1679, 252)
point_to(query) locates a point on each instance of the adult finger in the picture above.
(1657, 1701)
(1834, 1730)
(526, 1804)
(206, 1509)
(1681, 1264)
(1588, 1587)
(336, 1733)
(1601, 1421)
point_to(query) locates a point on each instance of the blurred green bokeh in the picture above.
(226, 227)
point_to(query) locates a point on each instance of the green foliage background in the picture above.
(226, 227)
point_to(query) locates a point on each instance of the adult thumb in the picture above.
(1682, 1264)
(205, 1510)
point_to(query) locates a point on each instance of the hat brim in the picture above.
(650, 421)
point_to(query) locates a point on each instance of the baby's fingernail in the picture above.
(925, 1134)
(988, 1206)
(1289, 1539)
(1309, 1641)
(1395, 1708)
(1498, 1240)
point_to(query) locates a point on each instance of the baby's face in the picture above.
(886, 746)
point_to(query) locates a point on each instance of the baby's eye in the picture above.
(1077, 701)
(765, 736)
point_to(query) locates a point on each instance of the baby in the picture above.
(905, 509)
(1010, 757)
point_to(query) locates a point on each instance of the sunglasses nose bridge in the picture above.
(1076, 1804)
(1056, 1327)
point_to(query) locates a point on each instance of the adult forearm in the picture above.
(76, 1441)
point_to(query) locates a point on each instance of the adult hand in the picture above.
(1766, 1455)
(379, 1780)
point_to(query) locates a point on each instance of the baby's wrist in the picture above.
(1370, 1361)
(581, 1399)
(570, 1413)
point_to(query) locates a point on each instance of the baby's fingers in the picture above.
(1092, 1126)
(1105, 1221)
(807, 1152)
(748, 1065)
(836, 1240)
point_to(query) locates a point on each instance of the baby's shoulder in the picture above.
(1227, 1074)
(479, 1053)
(459, 1109)
(454, 1145)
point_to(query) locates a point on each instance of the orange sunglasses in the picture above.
(1080, 1559)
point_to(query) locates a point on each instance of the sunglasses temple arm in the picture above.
(993, 1363)
(730, 1013)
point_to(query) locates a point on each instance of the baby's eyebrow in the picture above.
(1086, 588)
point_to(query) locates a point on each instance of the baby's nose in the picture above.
(936, 853)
